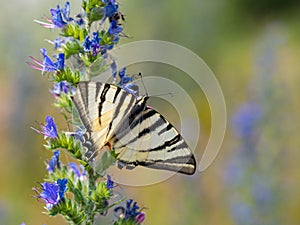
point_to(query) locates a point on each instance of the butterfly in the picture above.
(140, 136)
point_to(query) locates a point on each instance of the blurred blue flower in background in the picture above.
(246, 119)
(252, 190)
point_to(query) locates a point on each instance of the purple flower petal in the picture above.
(49, 130)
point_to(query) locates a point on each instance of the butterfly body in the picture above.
(140, 136)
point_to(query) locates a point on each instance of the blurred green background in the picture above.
(252, 47)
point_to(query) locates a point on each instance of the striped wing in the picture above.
(101, 108)
(139, 135)
(151, 141)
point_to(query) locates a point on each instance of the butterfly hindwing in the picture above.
(138, 134)
(153, 142)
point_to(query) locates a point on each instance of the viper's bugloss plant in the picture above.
(75, 190)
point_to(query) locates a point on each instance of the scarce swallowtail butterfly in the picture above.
(117, 120)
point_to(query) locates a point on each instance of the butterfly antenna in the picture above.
(170, 94)
(144, 86)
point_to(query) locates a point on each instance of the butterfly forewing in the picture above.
(99, 108)
(138, 134)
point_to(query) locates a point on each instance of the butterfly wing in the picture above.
(139, 135)
(101, 107)
(151, 141)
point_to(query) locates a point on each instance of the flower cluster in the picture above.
(76, 41)
(76, 190)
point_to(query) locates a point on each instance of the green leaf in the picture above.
(67, 142)
(78, 196)
(67, 75)
(72, 48)
(64, 102)
(105, 39)
(74, 30)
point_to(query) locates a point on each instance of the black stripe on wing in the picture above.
(182, 164)
(93, 100)
(81, 101)
(102, 100)
(173, 152)
(133, 115)
(118, 108)
(145, 131)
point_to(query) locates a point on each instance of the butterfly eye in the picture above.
(119, 212)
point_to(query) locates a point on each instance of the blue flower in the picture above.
(93, 44)
(79, 172)
(49, 130)
(74, 168)
(57, 18)
(66, 12)
(62, 87)
(104, 48)
(124, 78)
(48, 65)
(130, 213)
(96, 39)
(62, 184)
(114, 28)
(87, 43)
(78, 134)
(125, 83)
(131, 210)
(109, 183)
(114, 31)
(109, 9)
(54, 162)
(79, 20)
(131, 88)
(52, 193)
(58, 42)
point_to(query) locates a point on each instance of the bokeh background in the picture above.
(253, 48)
